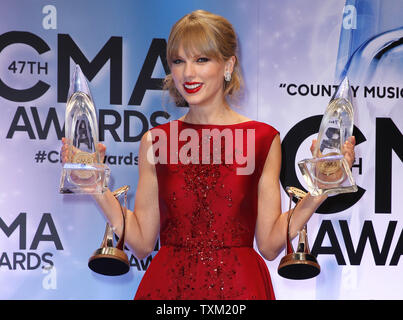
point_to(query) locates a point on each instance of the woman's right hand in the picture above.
(64, 151)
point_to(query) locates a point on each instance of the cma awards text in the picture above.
(29, 260)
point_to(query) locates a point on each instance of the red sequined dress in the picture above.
(208, 212)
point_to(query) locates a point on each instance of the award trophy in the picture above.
(109, 260)
(300, 264)
(83, 172)
(328, 171)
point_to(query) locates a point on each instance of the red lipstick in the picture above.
(192, 87)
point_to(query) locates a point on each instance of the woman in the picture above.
(208, 212)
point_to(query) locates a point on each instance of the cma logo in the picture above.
(23, 259)
(388, 139)
(109, 120)
(67, 49)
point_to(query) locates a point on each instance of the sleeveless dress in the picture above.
(208, 211)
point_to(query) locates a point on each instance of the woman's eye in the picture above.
(203, 59)
(177, 61)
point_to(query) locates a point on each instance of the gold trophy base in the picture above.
(298, 266)
(109, 261)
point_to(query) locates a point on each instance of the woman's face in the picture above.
(199, 79)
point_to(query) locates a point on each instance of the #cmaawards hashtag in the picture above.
(53, 156)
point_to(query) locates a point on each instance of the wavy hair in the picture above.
(210, 35)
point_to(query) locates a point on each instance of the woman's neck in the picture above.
(210, 115)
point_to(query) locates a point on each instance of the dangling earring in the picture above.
(227, 76)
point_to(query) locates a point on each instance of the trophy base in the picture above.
(109, 261)
(298, 266)
(80, 178)
(327, 175)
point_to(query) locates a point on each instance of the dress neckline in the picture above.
(215, 125)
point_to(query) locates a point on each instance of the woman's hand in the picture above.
(313, 145)
(65, 150)
(347, 150)
(102, 150)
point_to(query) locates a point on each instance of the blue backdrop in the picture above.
(292, 55)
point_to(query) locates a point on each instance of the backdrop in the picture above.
(293, 55)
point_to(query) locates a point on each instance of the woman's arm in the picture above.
(271, 226)
(142, 224)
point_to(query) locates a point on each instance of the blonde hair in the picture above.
(208, 34)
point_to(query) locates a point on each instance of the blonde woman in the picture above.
(209, 181)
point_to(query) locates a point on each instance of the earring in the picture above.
(227, 76)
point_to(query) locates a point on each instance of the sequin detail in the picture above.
(208, 217)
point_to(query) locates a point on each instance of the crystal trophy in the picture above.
(83, 172)
(328, 171)
(299, 264)
(109, 260)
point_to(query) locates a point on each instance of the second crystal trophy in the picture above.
(83, 172)
(328, 171)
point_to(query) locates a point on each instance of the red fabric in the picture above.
(208, 215)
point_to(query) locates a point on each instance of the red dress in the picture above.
(208, 213)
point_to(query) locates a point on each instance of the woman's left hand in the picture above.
(348, 150)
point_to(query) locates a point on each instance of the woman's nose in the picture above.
(189, 70)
